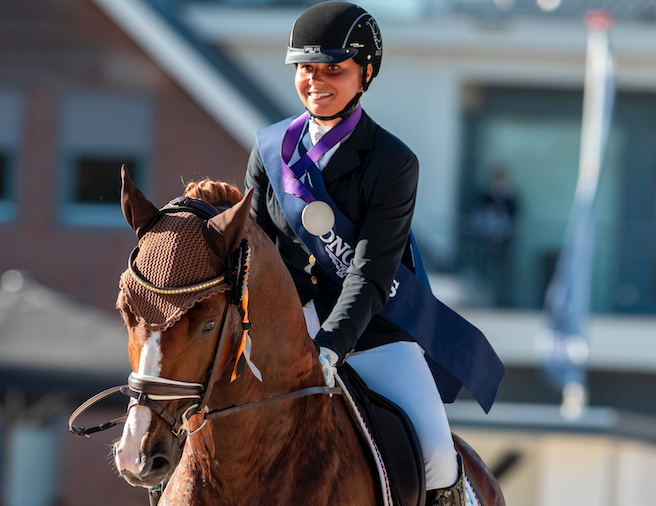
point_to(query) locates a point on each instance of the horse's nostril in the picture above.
(159, 463)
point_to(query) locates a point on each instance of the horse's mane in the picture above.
(217, 193)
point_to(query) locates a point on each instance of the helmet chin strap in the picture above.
(344, 113)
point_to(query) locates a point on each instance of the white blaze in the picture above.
(138, 421)
(150, 361)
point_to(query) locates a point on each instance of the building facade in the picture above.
(488, 93)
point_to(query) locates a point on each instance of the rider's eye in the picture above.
(208, 327)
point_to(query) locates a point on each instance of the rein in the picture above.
(208, 415)
(233, 410)
(149, 390)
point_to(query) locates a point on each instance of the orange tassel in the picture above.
(244, 334)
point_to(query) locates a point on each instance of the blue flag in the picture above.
(561, 346)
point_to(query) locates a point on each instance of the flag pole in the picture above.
(561, 345)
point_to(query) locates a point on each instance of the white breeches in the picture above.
(399, 372)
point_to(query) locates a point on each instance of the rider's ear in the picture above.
(137, 209)
(226, 230)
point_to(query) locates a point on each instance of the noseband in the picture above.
(149, 391)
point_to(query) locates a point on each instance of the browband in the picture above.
(189, 204)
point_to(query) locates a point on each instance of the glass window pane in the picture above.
(533, 138)
(4, 191)
(540, 156)
(97, 180)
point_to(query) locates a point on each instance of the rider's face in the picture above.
(326, 88)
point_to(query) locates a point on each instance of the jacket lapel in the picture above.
(345, 160)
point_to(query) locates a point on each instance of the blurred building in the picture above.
(488, 93)
(79, 97)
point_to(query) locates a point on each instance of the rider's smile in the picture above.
(326, 88)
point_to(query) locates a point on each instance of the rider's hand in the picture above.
(328, 358)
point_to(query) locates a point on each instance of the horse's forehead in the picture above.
(172, 239)
(172, 254)
(175, 252)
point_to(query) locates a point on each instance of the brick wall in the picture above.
(49, 48)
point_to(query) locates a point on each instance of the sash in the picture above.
(456, 351)
(291, 175)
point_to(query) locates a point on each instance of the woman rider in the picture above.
(371, 177)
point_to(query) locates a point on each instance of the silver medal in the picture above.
(318, 218)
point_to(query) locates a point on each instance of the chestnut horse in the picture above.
(299, 451)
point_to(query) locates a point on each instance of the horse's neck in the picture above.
(237, 452)
(281, 345)
(226, 461)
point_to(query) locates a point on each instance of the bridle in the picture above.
(149, 391)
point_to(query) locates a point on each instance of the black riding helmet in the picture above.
(332, 32)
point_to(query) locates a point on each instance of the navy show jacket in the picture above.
(372, 178)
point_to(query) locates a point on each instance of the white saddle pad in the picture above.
(470, 496)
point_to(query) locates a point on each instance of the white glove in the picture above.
(328, 358)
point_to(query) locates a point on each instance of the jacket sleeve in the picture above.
(257, 179)
(378, 251)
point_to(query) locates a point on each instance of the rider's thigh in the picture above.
(399, 372)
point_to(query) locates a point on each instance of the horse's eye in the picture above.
(208, 327)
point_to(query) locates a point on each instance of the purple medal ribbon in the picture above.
(291, 175)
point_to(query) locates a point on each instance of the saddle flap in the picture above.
(394, 436)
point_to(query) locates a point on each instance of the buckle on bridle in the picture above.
(184, 425)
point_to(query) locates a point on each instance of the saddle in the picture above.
(394, 443)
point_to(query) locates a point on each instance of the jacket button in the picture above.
(312, 260)
(314, 280)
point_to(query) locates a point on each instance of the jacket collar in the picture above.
(348, 157)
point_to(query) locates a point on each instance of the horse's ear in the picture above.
(137, 209)
(226, 230)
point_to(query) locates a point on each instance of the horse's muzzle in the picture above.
(152, 470)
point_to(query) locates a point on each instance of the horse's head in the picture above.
(175, 299)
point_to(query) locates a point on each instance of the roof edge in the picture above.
(204, 83)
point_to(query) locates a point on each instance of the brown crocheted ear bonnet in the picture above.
(173, 257)
(181, 257)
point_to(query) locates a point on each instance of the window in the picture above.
(11, 115)
(534, 137)
(7, 194)
(4, 187)
(100, 133)
(95, 178)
